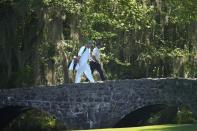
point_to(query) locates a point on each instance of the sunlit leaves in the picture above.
(124, 15)
(66, 5)
(183, 11)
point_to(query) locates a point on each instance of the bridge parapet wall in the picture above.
(99, 105)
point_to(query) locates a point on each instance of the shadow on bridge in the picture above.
(141, 116)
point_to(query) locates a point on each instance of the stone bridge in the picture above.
(102, 105)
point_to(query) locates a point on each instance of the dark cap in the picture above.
(90, 42)
(98, 43)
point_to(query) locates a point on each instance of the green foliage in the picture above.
(140, 38)
(123, 69)
(66, 5)
(105, 17)
(183, 11)
(185, 116)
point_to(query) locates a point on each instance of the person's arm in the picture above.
(94, 55)
(80, 52)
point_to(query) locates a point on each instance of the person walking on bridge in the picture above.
(83, 59)
(95, 62)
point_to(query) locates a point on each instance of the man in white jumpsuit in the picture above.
(84, 67)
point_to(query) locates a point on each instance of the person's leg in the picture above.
(92, 70)
(99, 69)
(92, 66)
(89, 74)
(78, 74)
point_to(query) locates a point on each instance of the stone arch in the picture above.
(10, 112)
(139, 116)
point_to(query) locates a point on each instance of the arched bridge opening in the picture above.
(8, 114)
(27, 118)
(158, 114)
(141, 116)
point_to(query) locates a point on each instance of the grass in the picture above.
(175, 127)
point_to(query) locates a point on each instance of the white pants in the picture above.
(85, 68)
